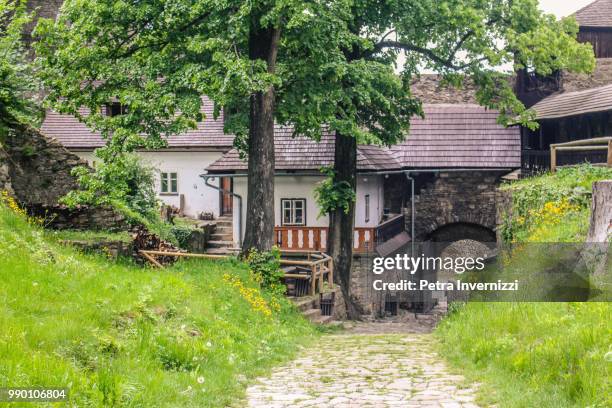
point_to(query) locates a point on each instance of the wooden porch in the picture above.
(305, 238)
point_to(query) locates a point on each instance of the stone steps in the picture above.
(223, 251)
(216, 236)
(310, 308)
(221, 244)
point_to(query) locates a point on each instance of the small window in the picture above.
(169, 183)
(113, 109)
(293, 211)
(367, 208)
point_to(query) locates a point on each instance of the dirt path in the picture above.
(364, 368)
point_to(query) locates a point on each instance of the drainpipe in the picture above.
(206, 178)
(412, 216)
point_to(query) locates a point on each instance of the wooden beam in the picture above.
(553, 158)
(152, 260)
(296, 276)
(184, 254)
(584, 142)
(580, 148)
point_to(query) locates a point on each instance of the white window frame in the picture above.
(367, 208)
(289, 204)
(168, 177)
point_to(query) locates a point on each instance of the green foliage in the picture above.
(121, 335)
(17, 80)
(182, 234)
(538, 354)
(547, 355)
(551, 204)
(125, 178)
(336, 64)
(331, 194)
(152, 221)
(265, 268)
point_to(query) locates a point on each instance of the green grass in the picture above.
(538, 354)
(121, 335)
(533, 354)
(564, 180)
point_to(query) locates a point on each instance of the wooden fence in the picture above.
(587, 145)
(313, 266)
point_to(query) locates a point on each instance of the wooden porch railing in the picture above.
(313, 267)
(603, 145)
(315, 238)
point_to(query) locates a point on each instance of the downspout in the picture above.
(207, 177)
(412, 216)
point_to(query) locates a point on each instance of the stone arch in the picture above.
(457, 231)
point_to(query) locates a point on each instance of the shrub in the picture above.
(126, 179)
(182, 234)
(265, 267)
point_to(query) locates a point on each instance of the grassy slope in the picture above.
(538, 354)
(122, 335)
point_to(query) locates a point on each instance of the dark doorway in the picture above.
(226, 201)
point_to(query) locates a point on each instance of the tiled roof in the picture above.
(303, 154)
(76, 135)
(596, 14)
(575, 103)
(459, 136)
(451, 136)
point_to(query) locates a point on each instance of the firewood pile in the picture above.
(145, 240)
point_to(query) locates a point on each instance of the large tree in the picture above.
(18, 86)
(159, 57)
(482, 41)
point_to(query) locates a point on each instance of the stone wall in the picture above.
(361, 283)
(455, 197)
(39, 167)
(80, 218)
(5, 178)
(38, 170)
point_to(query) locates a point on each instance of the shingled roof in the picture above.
(300, 153)
(575, 103)
(459, 136)
(76, 135)
(596, 14)
(450, 136)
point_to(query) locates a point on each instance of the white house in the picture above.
(178, 166)
(298, 222)
(452, 138)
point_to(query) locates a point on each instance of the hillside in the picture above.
(538, 354)
(118, 334)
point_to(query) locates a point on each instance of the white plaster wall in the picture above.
(188, 165)
(303, 187)
(372, 185)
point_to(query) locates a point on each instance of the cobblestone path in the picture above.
(360, 369)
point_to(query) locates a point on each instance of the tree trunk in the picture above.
(341, 224)
(259, 232)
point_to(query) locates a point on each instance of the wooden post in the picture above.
(553, 159)
(320, 278)
(313, 279)
(330, 274)
(610, 153)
